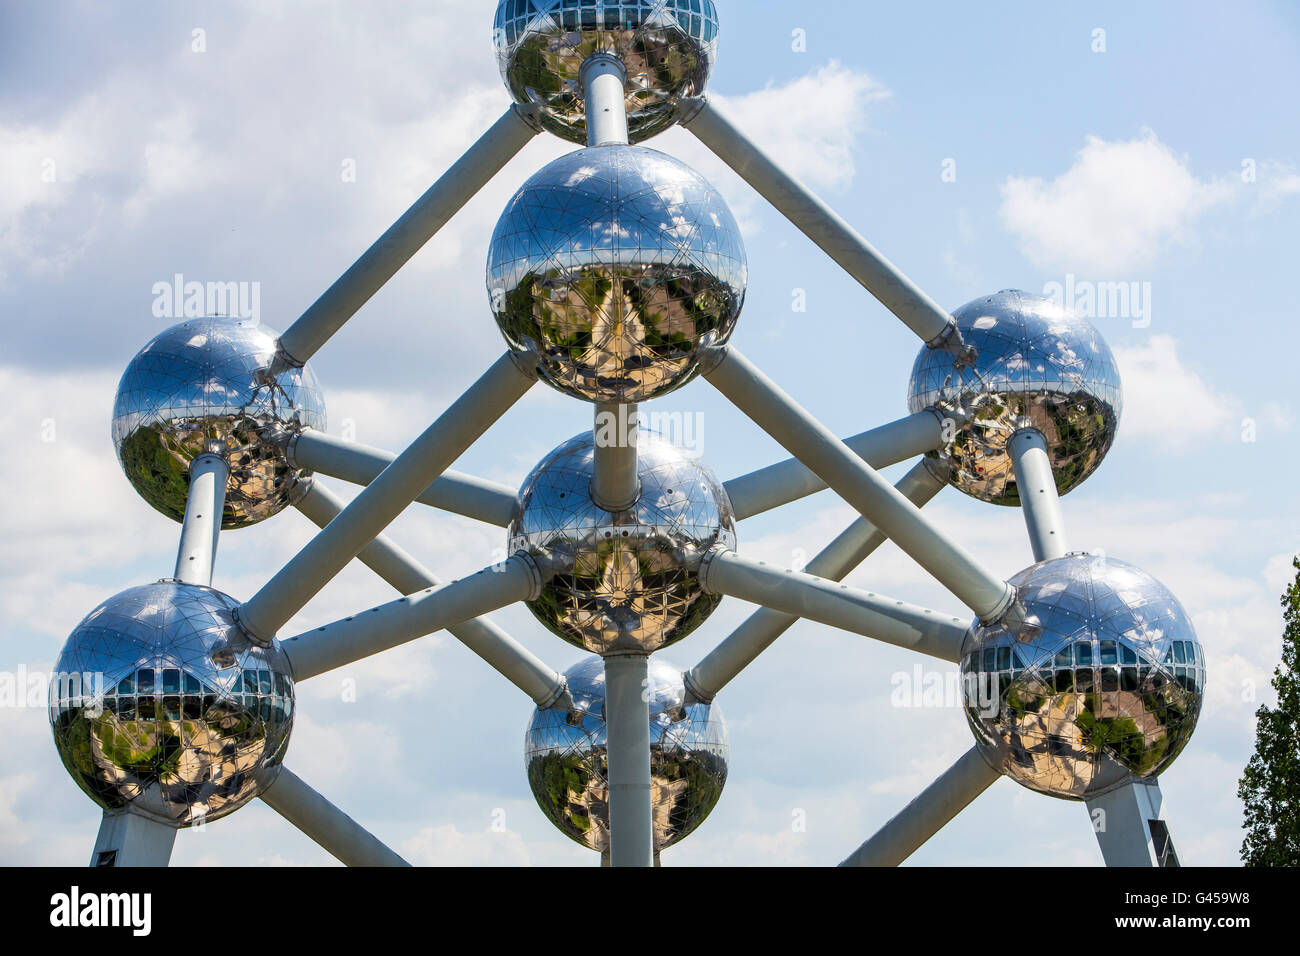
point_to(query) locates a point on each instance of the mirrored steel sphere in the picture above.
(205, 384)
(162, 704)
(667, 46)
(565, 756)
(1039, 365)
(615, 266)
(1109, 690)
(626, 580)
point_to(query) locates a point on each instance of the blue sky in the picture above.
(1122, 165)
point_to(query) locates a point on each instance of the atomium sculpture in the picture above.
(616, 275)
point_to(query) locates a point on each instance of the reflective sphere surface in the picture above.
(1109, 690)
(627, 580)
(667, 46)
(1039, 365)
(566, 758)
(162, 704)
(205, 383)
(616, 265)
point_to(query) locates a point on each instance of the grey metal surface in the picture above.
(452, 491)
(501, 651)
(384, 499)
(341, 836)
(1108, 690)
(201, 528)
(397, 622)
(859, 484)
(954, 790)
(161, 704)
(615, 484)
(615, 266)
(836, 605)
(623, 581)
(849, 549)
(567, 762)
(667, 47)
(131, 839)
(817, 221)
(1036, 488)
(790, 480)
(603, 77)
(505, 138)
(1040, 366)
(208, 386)
(1130, 827)
(627, 755)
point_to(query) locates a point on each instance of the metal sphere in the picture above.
(565, 756)
(160, 703)
(208, 384)
(668, 48)
(1040, 365)
(626, 580)
(1109, 690)
(615, 266)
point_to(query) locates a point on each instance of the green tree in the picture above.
(1270, 787)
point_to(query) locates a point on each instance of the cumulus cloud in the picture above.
(1116, 209)
(1168, 402)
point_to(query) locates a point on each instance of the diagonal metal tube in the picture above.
(384, 498)
(790, 480)
(1039, 500)
(860, 485)
(764, 626)
(206, 499)
(360, 465)
(341, 836)
(954, 790)
(397, 622)
(501, 651)
(503, 140)
(895, 291)
(837, 605)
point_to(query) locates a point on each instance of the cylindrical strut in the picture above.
(627, 733)
(1039, 500)
(204, 504)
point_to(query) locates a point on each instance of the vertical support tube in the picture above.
(860, 485)
(202, 526)
(627, 732)
(604, 80)
(822, 225)
(127, 838)
(1130, 826)
(1038, 497)
(506, 137)
(615, 485)
(926, 815)
(383, 499)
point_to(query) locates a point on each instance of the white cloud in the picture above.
(1113, 211)
(448, 846)
(1167, 402)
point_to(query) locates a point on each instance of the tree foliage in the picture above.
(1270, 786)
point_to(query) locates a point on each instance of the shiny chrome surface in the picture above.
(668, 48)
(1039, 365)
(1107, 690)
(205, 385)
(181, 717)
(564, 755)
(616, 265)
(626, 580)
